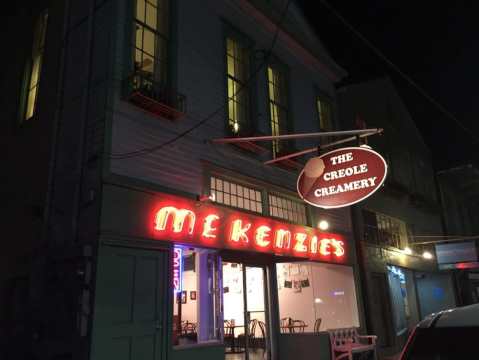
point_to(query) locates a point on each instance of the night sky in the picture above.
(435, 43)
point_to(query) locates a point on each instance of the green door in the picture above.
(129, 304)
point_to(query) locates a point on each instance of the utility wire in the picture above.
(399, 71)
(149, 150)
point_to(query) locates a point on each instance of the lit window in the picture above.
(324, 114)
(278, 107)
(196, 303)
(151, 38)
(287, 209)
(35, 66)
(315, 297)
(384, 230)
(236, 195)
(237, 61)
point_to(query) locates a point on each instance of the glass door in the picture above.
(245, 321)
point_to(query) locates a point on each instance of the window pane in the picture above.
(199, 280)
(310, 293)
(140, 10)
(149, 42)
(151, 14)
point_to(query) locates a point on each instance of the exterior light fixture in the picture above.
(407, 250)
(427, 255)
(323, 225)
(235, 127)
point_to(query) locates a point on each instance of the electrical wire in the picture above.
(149, 150)
(400, 72)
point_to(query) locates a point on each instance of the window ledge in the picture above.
(154, 97)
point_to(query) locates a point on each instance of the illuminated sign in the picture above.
(194, 223)
(341, 177)
(177, 269)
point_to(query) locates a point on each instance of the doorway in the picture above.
(246, 332)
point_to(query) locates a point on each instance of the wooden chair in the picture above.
(317, 325)
(251, 334)
(228, 334)
(260, 340)
(298, 326)
(284, 323)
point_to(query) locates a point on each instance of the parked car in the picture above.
(448, 335)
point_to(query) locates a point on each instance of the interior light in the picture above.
(427, 255)
(407, 250)
(235, 127)
(212, 197)
(323, 225)
(318, 301)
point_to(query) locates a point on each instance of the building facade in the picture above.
(458, 250)
(402, 283)
(156, 242)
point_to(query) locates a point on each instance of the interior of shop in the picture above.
(315, 297)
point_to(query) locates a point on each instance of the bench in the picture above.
(347, 342)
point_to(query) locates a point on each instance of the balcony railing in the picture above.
(154, 97)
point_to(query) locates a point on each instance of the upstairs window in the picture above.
(278, 105)
(324, 114)
(151, 39)
(384, 230)
(34, 67)
(237, 75)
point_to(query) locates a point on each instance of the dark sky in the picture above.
(435, 43)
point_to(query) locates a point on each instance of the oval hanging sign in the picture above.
(341, 177)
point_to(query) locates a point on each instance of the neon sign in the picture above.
(184, 221)
(177, 269)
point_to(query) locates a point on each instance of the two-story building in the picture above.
(155, 241)
(401, 281)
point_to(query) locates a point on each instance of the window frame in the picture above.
(247, 44)
(38, 44)
(168, 35)
(283, 69)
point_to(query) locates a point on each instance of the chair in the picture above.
(228, 334)
(317, 325)
(251, 334)
(298, 326)
(285, 322)
(260, 341)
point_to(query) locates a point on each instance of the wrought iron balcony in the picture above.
(154, 97)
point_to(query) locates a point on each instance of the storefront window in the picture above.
(315, 297)
(397, 286)
(196, 300)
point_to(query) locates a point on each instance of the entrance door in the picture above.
(245, 318)
(129, 304)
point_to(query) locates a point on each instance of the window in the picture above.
(399, 299)
(278, 105)
(233, 194)
(287, 209)
(384, 230)
(151, 39)
(324, 114)
(196, 300)
(315, 297)
(34, 67)
(237, 74)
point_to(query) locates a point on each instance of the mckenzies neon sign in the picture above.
(194, 223)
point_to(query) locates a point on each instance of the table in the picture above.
(233, 350)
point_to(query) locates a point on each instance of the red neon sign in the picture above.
(189, 222)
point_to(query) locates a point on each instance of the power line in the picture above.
(149, 150)
(399, 71)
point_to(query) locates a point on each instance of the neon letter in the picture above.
(260, 235)
(338, 247)
(314, 244)
(283, 239)
(325, 247)
(208, 228)
(179, 217)
(299, 246)
(238, 232)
